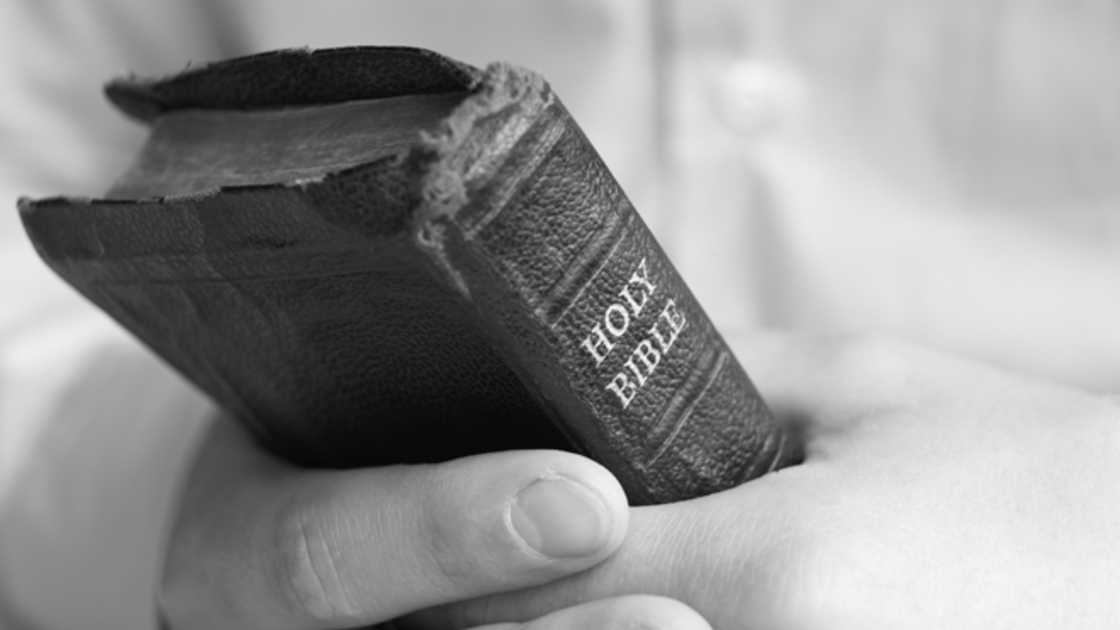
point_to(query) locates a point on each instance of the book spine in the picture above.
(540, 237)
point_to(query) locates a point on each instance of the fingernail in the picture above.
(560, 518)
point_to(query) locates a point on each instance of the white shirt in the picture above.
(811, 165)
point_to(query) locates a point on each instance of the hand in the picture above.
(261, 544)
(935, 493)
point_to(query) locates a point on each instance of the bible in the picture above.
(376, 255)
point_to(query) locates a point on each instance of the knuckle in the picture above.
(442, 534)
(305, 568)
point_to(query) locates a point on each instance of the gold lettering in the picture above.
(641, 277)
(641, 378)
(675, 322)
(624, 388)
(595, 342)
(661, 341)
(648, 355)
(620, 310)
(674, 317)
(635, 305)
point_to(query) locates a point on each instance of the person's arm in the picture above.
(935, 493)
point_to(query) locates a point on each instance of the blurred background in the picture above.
(945, 171)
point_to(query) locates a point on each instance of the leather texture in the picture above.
(423, 306)
(283, 78)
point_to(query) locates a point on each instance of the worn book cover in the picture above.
(381, 255)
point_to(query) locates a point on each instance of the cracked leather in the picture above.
(425, 306)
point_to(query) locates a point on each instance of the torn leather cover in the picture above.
(422, 306)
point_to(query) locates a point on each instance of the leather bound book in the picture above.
(380, 255)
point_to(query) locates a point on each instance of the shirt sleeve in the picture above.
(96, 435)
(94, 430)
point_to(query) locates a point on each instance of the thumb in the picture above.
(259, 543)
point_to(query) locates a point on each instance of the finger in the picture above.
(281, 547)
(685, 551)
(637, 612)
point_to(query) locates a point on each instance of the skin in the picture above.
(258, 543)
(934, 493)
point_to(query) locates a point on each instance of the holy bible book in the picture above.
(381, 255)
